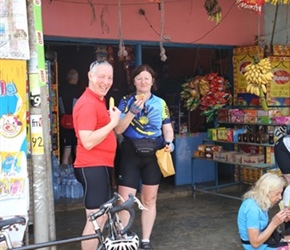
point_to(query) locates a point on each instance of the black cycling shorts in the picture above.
(282, 156)
(133, 167)
(96, 184)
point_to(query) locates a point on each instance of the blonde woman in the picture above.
(253, 220)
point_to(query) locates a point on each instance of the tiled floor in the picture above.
(183, 222)
(205, 222)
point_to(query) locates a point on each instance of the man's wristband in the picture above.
(170, 143)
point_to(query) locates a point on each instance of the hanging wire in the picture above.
(105, 27)
(163, 57)
(214, 27)
(122, 50)
(196, 60)
(287, 24)
(91, 4)
(259, 28)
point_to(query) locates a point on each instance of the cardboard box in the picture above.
(253, 159)
(248, 175)
(231, 155)
(220, 156)
(237, 158)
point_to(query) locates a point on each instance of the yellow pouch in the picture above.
(165, 162)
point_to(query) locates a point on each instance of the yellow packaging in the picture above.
(281, 50)
(242, 57)
(280, 86)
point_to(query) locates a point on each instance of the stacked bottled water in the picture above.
(65, 184)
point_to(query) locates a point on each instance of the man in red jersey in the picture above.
(96, 146)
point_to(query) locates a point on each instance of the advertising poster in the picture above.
(14, 42)
(279, 91)
(242, 57)
(14, 186)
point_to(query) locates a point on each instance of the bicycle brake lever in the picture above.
(121, 198)
(140, 205)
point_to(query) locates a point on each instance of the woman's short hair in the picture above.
(138, 70)
(260, 190)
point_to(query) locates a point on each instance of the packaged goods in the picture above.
(250, 116)
(236, 115)
(253, 159)
(220, 156)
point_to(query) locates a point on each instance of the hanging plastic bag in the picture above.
(165, 162)
(66, 121)
(252, 5)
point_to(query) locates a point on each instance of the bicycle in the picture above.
(114, 236)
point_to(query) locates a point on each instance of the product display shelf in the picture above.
(264, 167)
(260, 165)
(240, 143)
(213, 188)
(250, 123)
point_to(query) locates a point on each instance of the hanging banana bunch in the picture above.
(214, 10)
(258, 75)
(275, 2)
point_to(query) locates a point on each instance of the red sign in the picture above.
(281, 77)
(252, 5)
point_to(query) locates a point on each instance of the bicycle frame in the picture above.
(116, 231)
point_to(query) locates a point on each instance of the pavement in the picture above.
(184, 221)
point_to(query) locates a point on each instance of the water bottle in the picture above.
(56, 190)
(81, 190)
(74, 189)
(68, 188)
(63, 187)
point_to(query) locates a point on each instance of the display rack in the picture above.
(52, 76)
(263, 167)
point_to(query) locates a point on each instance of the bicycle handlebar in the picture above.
(111, 207)
(128, 206)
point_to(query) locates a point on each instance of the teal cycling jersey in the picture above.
(148, 122)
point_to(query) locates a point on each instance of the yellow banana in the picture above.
(264, 88)
(252, 89)
(257, 91)
(111, 102)
(248, 88)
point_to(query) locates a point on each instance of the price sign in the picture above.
(37, 147)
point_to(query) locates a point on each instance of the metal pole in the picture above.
(44, 221)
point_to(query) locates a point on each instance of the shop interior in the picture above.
(181, 64)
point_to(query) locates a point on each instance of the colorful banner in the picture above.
(14, 185)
